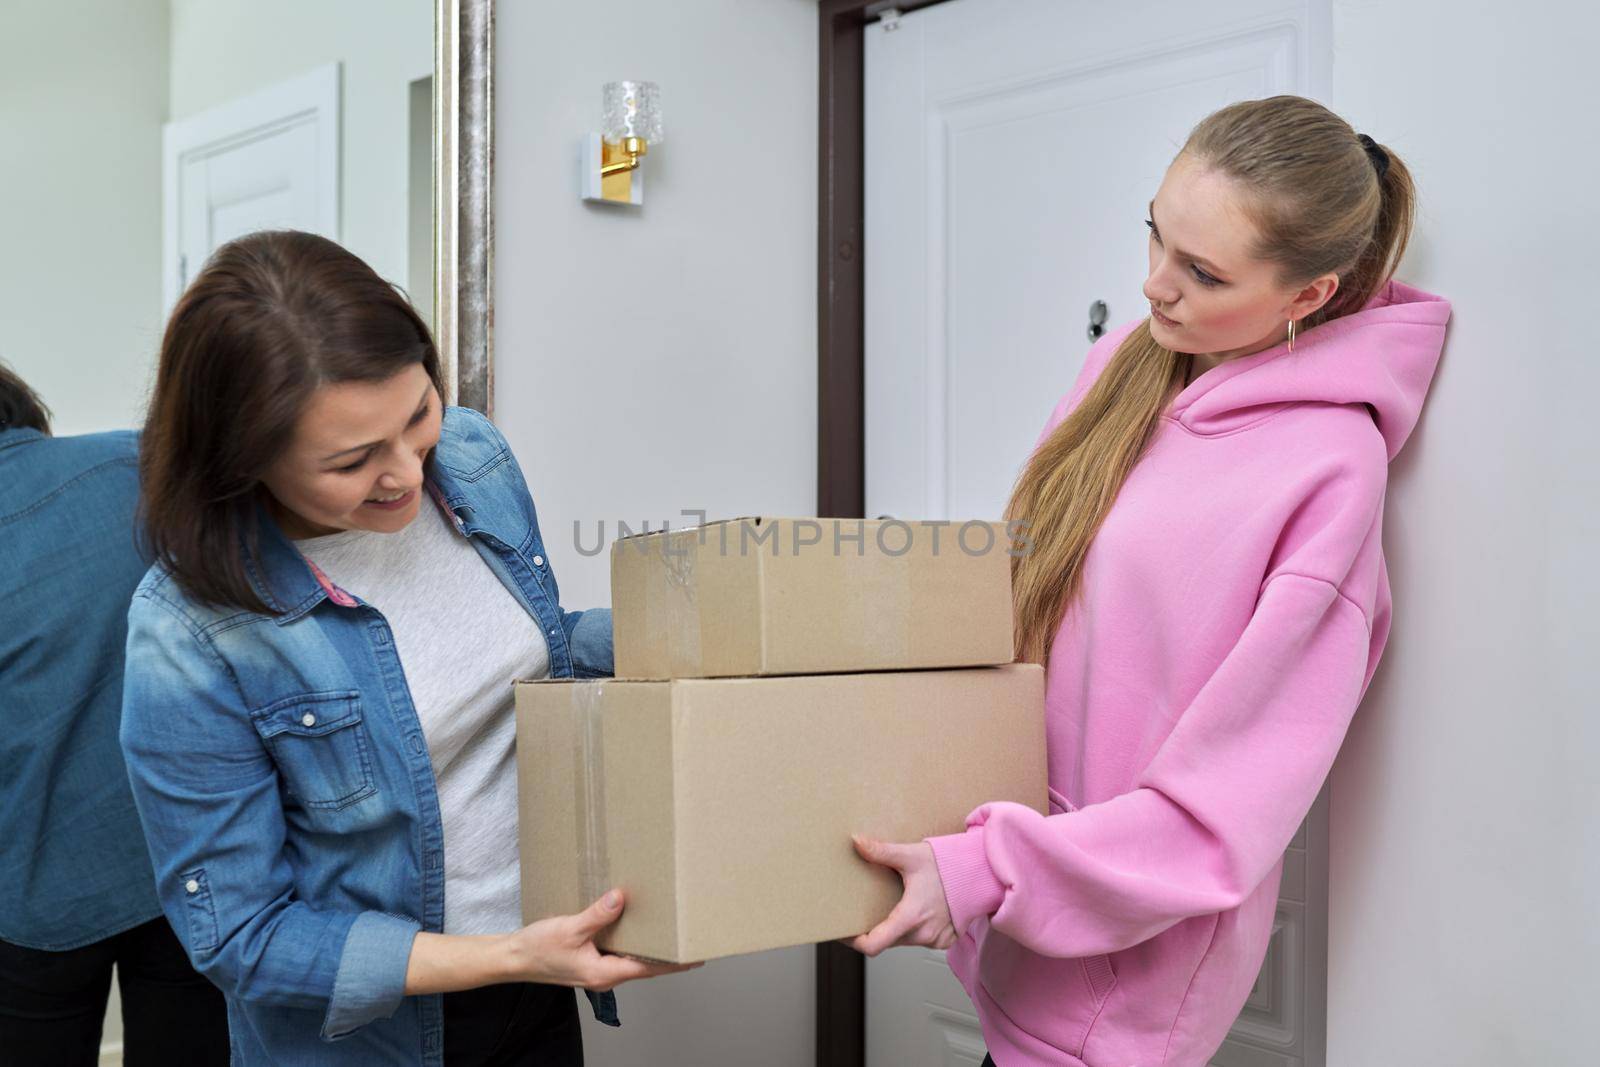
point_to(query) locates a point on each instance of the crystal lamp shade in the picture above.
(632, 109)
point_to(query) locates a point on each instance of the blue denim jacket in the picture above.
(73, 866)
(285, 785)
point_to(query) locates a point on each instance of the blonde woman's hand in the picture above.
(923, 916)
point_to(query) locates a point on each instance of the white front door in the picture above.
(1011, 149)
(266, 161)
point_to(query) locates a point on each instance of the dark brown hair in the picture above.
(271, 317)
(20, 406)
(1319, 203)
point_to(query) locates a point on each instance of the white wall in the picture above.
(1465, 813)
(419, 194)
(83, 94)
(662, 358)
(223, 49)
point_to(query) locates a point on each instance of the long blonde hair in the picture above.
(1318, 205)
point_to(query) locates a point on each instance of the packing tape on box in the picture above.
(679, 551)
(880, 583)
(896, 599)
(589, 776)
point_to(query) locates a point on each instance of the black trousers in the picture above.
(988, 1061)
(53, 1004)
(522, 1025)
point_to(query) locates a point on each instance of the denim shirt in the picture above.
(73, 866)
(285, 786)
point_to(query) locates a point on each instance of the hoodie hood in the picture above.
(1383, 356)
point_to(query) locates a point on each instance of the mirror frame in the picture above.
(463, 207)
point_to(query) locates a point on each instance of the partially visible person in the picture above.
(77, 894)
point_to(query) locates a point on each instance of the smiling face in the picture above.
(356, 456)
(1209, 294)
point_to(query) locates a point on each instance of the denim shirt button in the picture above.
(191, 886)
(538, 561)
(308, 719)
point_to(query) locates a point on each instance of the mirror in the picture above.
(140, 134)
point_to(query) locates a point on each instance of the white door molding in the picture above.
(303, 112)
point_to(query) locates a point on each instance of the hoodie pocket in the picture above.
(1056, 1000)
(1060, 805)
(320, 746)
(1082, 984)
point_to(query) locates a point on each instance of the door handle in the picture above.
(1097, 320)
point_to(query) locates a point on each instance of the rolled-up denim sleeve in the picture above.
(589, 637)
(372, 972)
(208, 797)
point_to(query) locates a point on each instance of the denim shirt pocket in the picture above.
(320, 746)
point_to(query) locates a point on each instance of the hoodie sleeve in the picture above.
(1212, 812)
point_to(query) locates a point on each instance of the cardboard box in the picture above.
(724, 807)
(765, 596)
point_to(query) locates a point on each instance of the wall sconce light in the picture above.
(611, 158)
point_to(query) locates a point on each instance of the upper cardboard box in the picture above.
(769, 596)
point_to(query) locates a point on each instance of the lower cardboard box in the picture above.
(724, 807)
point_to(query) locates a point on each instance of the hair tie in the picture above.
(1375, 152)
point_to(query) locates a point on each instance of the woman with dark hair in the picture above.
(317, 717)
(1208, 593)
(20, 406)
(77, 901)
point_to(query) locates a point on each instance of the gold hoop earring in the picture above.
(1291, 335)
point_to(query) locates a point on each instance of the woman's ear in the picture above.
(1313, 295)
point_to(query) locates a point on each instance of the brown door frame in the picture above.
(841, 408)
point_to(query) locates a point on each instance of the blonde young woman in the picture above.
(1207, 590)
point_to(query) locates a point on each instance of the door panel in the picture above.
(914, 1017)
(269, 160)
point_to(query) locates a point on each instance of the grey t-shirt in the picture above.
(462, 638)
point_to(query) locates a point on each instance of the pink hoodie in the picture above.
(1233, 608)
